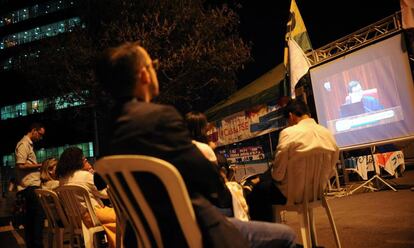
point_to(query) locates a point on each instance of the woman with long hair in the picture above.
(48, 174)
(74, 168)
(197, 125)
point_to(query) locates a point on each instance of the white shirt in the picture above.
(85, 178)
(52, 184)
(25, 154)
(206, 150)
(305, 138)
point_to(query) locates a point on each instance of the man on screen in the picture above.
(357, 94)
(358, 101)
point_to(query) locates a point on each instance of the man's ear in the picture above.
(144, 76)
(292, 118)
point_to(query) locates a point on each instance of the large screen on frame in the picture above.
(366, 97)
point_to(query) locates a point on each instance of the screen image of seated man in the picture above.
(358, 101)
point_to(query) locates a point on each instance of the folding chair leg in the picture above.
(283, 218)
(279, 214)
(58, 239)
(87, 239)
(118, 235)
(331, 221)
(312, 226)
(48, 239)
(304, 228)
(120, 230)
(76, 241)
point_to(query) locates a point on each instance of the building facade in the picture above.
(23, 24)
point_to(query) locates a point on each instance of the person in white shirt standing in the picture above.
(28, 179)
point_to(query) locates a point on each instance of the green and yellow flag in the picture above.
(297, 43)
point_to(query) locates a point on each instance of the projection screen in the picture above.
(366, 97)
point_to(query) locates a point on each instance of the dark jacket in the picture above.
(159, 131)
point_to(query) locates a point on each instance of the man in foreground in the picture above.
(141, 127)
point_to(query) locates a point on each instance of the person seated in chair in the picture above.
(235, 206)
(303, 134)
(74, 168)
(140, 127)
(48, 174)
(357, 95)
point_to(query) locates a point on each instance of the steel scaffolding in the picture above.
(374, 32)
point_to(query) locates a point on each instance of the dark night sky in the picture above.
(264, 25)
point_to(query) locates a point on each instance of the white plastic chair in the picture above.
(73, 197)
(147, 187)
(120, 218)
(59, 228)
(307, 180)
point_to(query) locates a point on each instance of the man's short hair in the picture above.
(36, 126)
(296, 107)
(116, 68)
(352, 84)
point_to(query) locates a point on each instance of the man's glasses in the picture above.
(155, 64)
(40, 133)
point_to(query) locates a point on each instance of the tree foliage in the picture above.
(197, 43)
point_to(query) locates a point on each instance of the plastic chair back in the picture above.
(77, 204)
(308, 178)
(58, 224)
(154, 198)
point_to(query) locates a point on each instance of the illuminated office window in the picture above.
(15, 61)
(61, 103)
(38, 33)
(55, 152)
(39, 106)
(42, 154)
(36, 107)
(7, 64)
(34, 11)
(9, 160)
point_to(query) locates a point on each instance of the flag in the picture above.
(407, 13)
(297, 43)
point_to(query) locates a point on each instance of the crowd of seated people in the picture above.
(139, 126)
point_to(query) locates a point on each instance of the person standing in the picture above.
(28, 179)
(142, 127)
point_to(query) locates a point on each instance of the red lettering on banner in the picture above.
(241, 127)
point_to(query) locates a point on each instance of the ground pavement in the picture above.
(365, 219)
